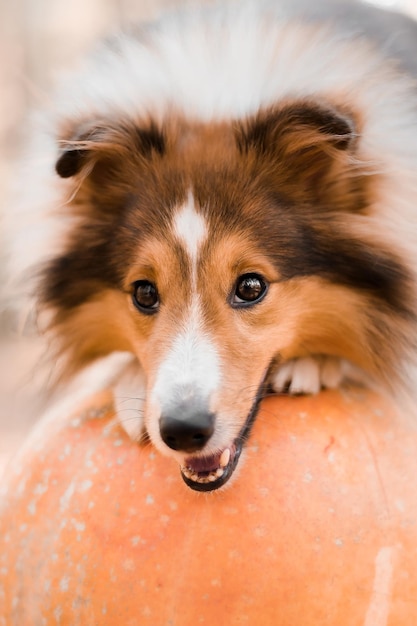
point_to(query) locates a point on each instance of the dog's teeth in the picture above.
(189, 473)
(225, 457)
(198, 478)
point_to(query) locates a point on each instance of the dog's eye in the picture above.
(250, 288)
(145, 296)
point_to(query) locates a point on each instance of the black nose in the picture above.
(186, 430)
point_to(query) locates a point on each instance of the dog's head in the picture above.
(213, 251)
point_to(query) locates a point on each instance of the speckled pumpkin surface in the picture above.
(318, 528)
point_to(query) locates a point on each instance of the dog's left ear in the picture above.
(303, 143)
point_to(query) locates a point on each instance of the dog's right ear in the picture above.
(82, 148)
(93, 142)
(71, 161)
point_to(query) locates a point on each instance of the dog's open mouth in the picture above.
(207, 473)
(211, 472)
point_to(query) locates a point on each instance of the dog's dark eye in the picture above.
(250, 288)
(145, 296)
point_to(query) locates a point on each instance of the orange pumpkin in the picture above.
(318, 528)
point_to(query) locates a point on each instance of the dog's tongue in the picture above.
(204, 464)
(212, 471)
(208, 463)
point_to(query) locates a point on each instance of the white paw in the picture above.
(129, 396)
(308, 375)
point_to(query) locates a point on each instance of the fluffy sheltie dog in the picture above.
(229, 196)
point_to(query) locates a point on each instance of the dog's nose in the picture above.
(186, 430)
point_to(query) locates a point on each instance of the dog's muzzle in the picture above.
(188, 429)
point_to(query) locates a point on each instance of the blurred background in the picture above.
(38, 39)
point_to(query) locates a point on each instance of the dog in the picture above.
(228, 196)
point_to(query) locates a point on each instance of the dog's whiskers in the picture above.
(129, 398)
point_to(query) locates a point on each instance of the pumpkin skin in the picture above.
(318, 526)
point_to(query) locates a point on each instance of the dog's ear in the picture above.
(93, 142)
(304, 144)
(298, 126)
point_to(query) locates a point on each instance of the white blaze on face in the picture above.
(191, 230)
(191, 370)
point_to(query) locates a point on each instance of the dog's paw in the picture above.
(308, 375)
(129, 396)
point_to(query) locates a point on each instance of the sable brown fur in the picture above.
(285, 182)
(229, 198)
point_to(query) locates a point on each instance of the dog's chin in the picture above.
(211, 472)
